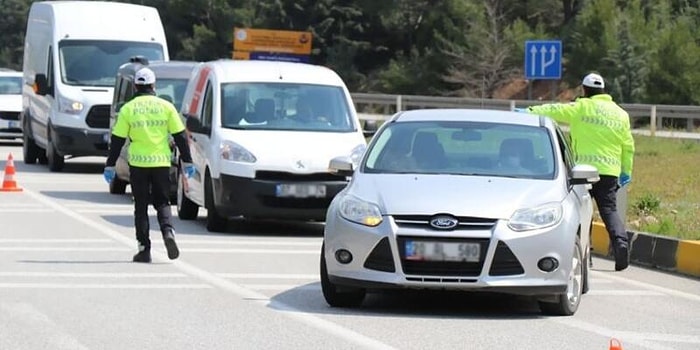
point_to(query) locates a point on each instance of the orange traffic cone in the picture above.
(615, 344)
(8, 183)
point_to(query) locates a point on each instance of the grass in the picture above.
(664, 196)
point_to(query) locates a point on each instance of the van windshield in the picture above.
(285, 106)
(10, 85)
(95, 63)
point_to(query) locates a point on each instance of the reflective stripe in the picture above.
(149, 159)
(597, 159)
(148, 123)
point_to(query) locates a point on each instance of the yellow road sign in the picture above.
(264, 40)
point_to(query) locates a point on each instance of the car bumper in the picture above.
(257, 198)
(80, 142)
(508, 261)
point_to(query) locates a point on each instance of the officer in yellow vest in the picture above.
(148, 121)
(601, 136)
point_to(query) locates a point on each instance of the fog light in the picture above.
(343, 256)
(548, 264)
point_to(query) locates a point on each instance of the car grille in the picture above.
(285, 176)
(9, 115)
(98, 117)
(443, 268)
(380, 258)
(504, 262)
(465, 222)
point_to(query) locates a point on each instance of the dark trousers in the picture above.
(605, 194)
(150, 185)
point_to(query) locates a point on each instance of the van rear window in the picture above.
(285, 106)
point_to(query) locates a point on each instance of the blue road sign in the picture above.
(543, 59)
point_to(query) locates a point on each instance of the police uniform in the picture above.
(148, 121)
(600, 136)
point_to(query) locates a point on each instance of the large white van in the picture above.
(72, 51)
(262, 134)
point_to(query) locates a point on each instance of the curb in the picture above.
(682, 256)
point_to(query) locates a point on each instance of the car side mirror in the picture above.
(193, 124)
(583, 174)
(41, 84)
(342, 166)
(370, 128)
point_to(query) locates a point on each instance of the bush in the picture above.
(648, 203)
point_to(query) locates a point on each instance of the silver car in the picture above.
(471, 200)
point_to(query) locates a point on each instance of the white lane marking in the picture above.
(20, 205)
(247, 251)
(54, 240)
(256, 243)
(30, 320)
(26, 210)
(630, 292)
(290, 276)
(663, 337)
(101, 286)
(329, 327)
(648, 286)
(277, 287)
(626, 338)
(63, 249)
(91, 274)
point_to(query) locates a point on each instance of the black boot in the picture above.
(622, 258)
(143, 256)
(170, 245)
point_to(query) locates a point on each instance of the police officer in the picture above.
(601, 136)
(148, 121)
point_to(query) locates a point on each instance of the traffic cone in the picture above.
(8, 183)
(615, 344)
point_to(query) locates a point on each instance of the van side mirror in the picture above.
(370, 128)
(342, 166)
(193, 124)
(41, 84)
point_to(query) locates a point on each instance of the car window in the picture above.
(207, 106)
(10, 85)
(172, 90)
(285, 106)
(488, 149)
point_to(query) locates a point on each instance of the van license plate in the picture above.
(301, 190)
(442, 251)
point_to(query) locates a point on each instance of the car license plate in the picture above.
(12, 124)
(442, 251)
(301, 190)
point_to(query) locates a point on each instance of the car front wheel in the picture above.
(567, 304)
(338, 296)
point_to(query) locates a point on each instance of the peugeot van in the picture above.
(262, 134)
(72, 51)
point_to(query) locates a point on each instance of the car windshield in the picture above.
(95, 63)
(285, 106)
(172, 90)
(462, 148)
(10, 85)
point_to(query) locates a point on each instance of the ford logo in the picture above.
(444, 222)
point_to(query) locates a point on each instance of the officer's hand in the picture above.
(521, 110)
(188, 169)
(624, 179)
(109, 174)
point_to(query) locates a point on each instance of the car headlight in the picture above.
(361, 212)
(536, 218)
(236, 153)
(69, 106)
(356, 154)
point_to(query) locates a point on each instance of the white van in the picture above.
(262, 134)
(72, 51)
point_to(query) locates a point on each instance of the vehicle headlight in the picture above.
(69, 106)
(356, 154)
(234, 152)
(536, 218)
(361, 212)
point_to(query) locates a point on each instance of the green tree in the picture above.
(12, 26)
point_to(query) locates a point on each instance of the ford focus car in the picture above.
(471, 200)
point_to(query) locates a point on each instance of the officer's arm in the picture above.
(627, 153)
(120, 131)
(561, 112)
(176, 128)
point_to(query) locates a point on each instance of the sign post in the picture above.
(542, 61)
(277, 45)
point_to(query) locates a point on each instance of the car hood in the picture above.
(10, 103)
(459, 195)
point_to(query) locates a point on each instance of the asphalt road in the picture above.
(66, 282)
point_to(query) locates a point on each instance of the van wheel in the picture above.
(117, 186)
(30, 150)
(56, 161)
(186, 209)
(566, 304)
(215, 222)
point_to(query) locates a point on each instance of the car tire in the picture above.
(586, 269)
(30, 151)
(117, 186)
(215, 222)
(55, 160)
(567, 304)
(186, 209)
(348, 297)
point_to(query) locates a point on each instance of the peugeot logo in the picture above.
(444, 222)
(300, 165)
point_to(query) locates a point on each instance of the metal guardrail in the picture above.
(656, 116)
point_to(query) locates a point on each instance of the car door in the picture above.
(200, 108)
(580, 193)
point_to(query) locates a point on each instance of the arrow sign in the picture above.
(543, 59)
